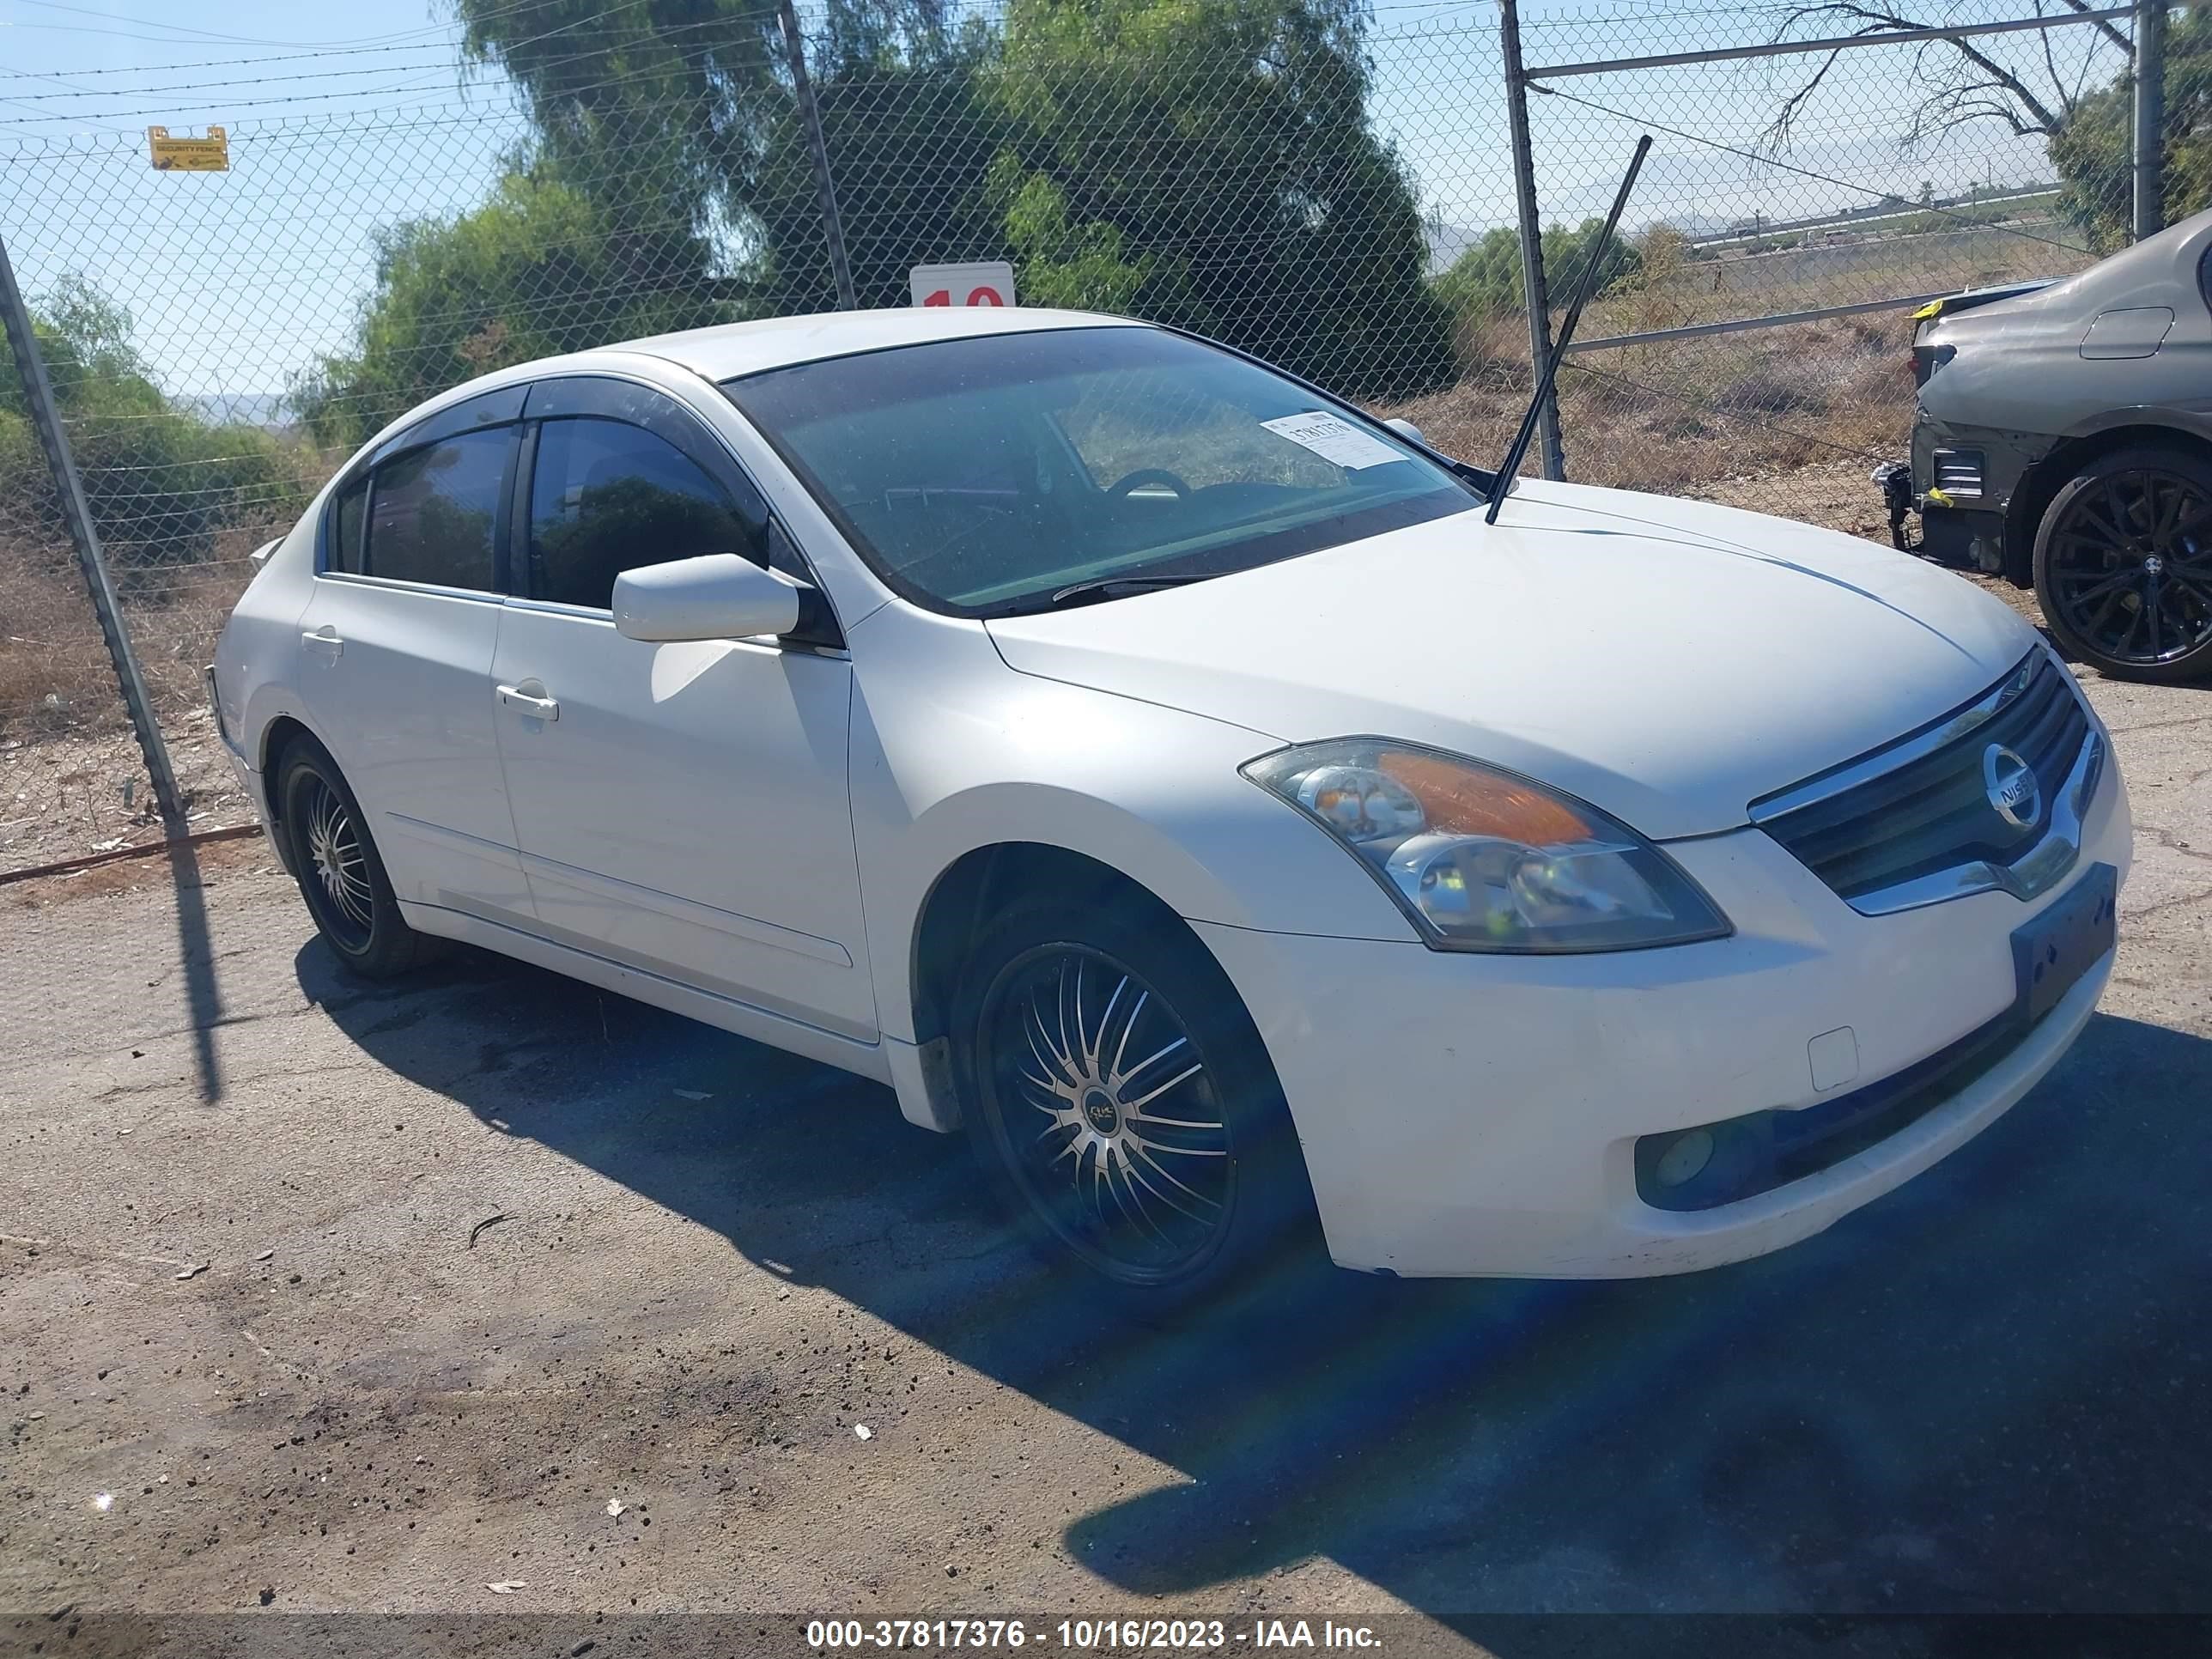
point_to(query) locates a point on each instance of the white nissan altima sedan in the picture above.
(1158, 768)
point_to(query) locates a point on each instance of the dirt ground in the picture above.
(320, 1296)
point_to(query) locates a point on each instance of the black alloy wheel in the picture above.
(2123, 565)
(1117, 1137)
(340, 872)
(1121, 1101)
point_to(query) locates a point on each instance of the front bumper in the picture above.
(1960, 481)
(1468, 1114)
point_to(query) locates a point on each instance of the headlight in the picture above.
(1484, 860)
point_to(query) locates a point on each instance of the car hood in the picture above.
(1667, 661)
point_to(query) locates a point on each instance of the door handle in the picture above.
(324, 642)
(543, 708)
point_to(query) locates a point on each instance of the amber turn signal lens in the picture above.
(1461, 799)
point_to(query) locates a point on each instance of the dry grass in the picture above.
(1677, 415)
(55, 674)
(1682, 415)
(71, 778)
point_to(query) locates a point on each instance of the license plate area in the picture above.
(2051, 954)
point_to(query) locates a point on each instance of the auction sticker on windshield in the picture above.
(1334, 440)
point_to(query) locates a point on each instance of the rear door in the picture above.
(397, 644)
(679, 807)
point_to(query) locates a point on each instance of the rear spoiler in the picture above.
(260, 555)
(1951, 304)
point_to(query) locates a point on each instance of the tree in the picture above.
(1203, 163)
(675, 119)
(1484, 284)
(539, 269)
(1212, 160)
(159, 481)
(2094, 151)
(911, 137)
(1963, 79)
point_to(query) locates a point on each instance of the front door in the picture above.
(680, 807)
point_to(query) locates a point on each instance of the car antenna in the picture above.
(1511, 463)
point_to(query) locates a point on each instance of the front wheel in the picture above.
(1123, 1102)
(2123, 565)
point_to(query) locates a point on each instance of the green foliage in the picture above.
(1206, 163)
(541, 268)
(1209, 164)
(2093, 151)
(911, 139)
(159, 481)
(1484, 284)
(1082, 266)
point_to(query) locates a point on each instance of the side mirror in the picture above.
(1406, 429)
(720, 597)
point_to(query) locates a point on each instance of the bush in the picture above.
(1484, 284)
(2092, 152)
(160, 481)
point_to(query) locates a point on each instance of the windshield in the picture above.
(985, 476)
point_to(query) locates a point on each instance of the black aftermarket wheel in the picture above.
(340, 872)
(2123, 565)
(1121, 1098)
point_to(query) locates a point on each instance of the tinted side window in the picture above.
(344, 552)
(432, 510)
(607, 496)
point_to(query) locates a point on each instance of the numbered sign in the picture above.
(990, 282)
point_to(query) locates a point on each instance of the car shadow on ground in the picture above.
(1984, 1393)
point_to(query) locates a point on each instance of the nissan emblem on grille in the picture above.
(2012, 787)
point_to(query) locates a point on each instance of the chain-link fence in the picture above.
(1328, 184)
(1811, 187)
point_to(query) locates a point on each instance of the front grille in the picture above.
(1882, 830)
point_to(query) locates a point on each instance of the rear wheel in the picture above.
(1124, 1104)
(2123, 564)
(341, 874)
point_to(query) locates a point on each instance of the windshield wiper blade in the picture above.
(1592, 261)
(1113, 588)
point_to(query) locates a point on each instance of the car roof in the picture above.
(735, 348)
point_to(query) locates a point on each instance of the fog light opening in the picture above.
(1684, 1158)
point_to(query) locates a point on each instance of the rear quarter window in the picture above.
(343, 550)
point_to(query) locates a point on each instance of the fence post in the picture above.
(1533, 293)
(810, 117)
(45, 416)
(2150, 117)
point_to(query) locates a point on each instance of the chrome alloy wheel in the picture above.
(1108, 1116)
(340, 865)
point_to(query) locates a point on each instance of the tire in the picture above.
(2123, 565)
(340, 872)
(1122, 1104)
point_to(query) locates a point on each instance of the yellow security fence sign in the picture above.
(208, 155)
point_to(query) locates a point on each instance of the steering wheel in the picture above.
(1148, 475)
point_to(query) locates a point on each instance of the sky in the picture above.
(344, 117)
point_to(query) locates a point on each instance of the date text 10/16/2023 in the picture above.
(1087, 1635)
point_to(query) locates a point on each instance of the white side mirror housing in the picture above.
(1406, 429)
(718, 597)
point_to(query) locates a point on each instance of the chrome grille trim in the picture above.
(2023, 873)
(1948, 728)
